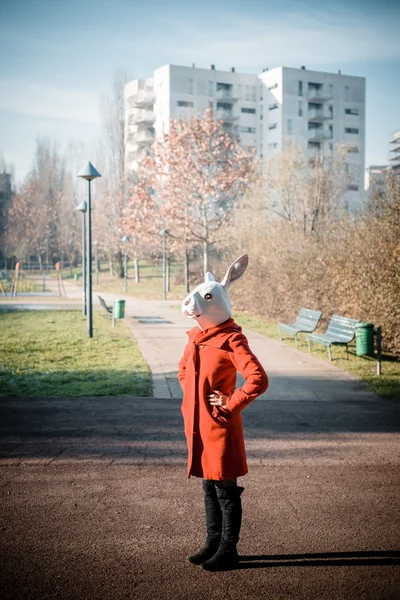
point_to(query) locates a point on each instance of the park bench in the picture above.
(108, 309)
(306, 322)
(340, 331)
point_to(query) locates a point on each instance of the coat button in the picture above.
(201, 345)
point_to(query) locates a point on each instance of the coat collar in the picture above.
(214, 336)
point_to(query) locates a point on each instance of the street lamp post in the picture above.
(70, 243)
(83, 209)
(125, 240)
(89, 173)
(29, 253)
(164, 233)
(96, 260)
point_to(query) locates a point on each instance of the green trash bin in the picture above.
(365, 339)
(76, 276)
(119, 309)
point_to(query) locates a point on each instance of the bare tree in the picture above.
(112, 199)
(305, 191)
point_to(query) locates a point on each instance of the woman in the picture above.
(211, 408)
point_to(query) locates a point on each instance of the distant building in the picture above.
(376, 178)
(5, 189)
(395, 153)
(317, 109)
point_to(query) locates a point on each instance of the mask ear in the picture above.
(236, 270)
(210, 277)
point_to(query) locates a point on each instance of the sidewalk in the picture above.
(160, 329)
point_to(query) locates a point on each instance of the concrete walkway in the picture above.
(160, 329)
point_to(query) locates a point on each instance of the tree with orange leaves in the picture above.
(196, 174)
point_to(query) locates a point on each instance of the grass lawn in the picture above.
(24, 285)
(49, 354)
(150, 286)
(388, 384)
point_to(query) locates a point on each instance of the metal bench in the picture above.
(108, 309)
(340, 331)
(306, 322)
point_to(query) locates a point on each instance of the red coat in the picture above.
(214, 435)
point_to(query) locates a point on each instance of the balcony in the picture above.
(144, 137)
(319, 94)
(318, 115)
(225, 115)
(318, 135)
(225, 95)
(143, 117)
(144, 98)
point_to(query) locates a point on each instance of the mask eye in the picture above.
(208, 296)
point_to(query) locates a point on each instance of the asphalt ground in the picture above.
(95, 502)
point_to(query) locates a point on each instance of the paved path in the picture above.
(94, 501)
(160, 327)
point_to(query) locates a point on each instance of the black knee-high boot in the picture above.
(226, 557)
(213, 524)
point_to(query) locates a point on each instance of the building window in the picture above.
(191, 87)
(273, 126)
(247, 97)
(184, 103)
(249, 111)
(211, 88)
(331, 131)
(248, 129)
(353, 187)
(330, 147)
(331, 112)
(300, 88)
(273, 86)
(346, 93)
(352, 111)
(352, 149)
(273, 145)
(314, 145)
(289, 126)
(351, 130)
(300, 108)
(253, 93)
(273, 106)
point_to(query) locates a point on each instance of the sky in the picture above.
(59, 57)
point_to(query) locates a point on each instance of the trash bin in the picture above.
(76, 277)
(119, 309)
(365, 339)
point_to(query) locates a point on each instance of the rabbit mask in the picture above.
(209, 303)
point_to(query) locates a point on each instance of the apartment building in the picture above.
(317, 109)
(395, 153)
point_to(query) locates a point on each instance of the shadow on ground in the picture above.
(118, 428)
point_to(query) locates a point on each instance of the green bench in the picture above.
(306, 322)
(108, 309)
(340, 331)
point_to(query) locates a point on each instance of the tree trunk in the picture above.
(119, 259)
(205, 258)
(186, 267)
(110, 263)
(137, 275)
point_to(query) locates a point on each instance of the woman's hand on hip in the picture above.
(217, 398)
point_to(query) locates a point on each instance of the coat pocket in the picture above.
(221, 415)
